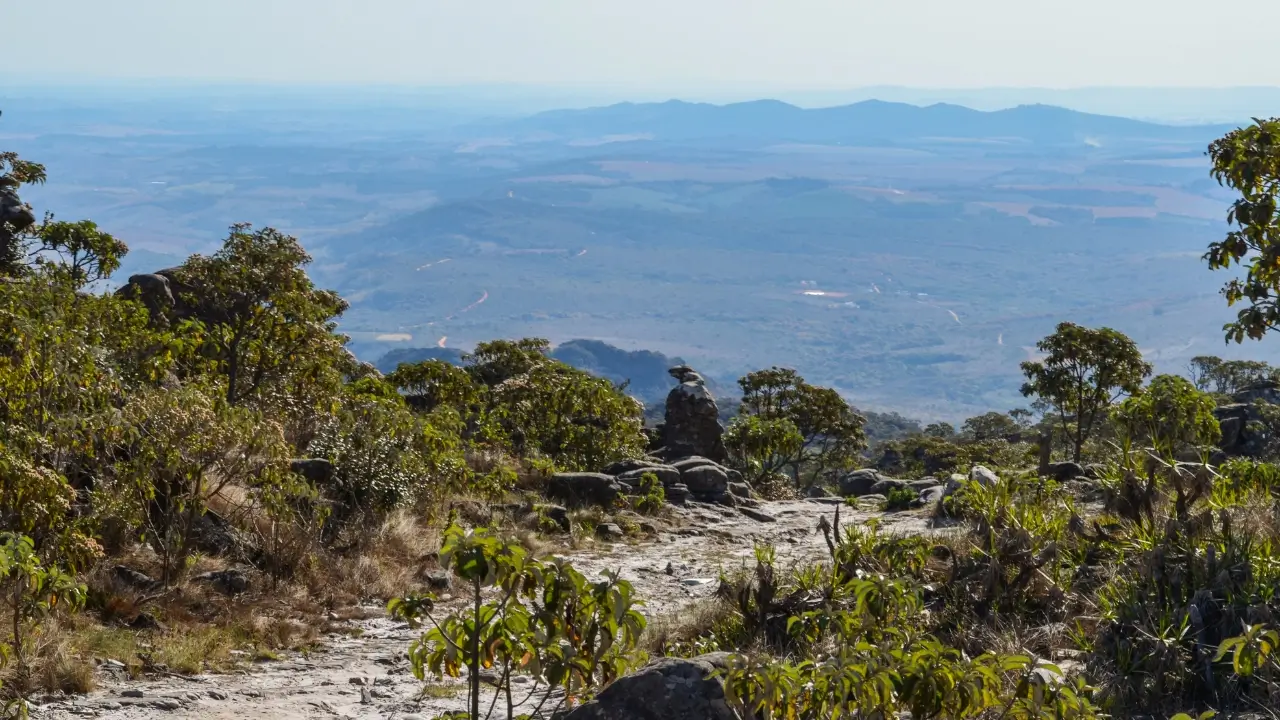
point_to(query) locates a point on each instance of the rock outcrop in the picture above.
(691, 426)
(12, 210)
(1245, 432)
(666, 689)
(582, 488)
(859, 482)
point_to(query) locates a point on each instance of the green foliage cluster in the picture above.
(992, 439)
(1228, 377)
(510, 395)
(545, 620)
(1248, 161)
(1084, 371)
(787, 425)
(215, 409)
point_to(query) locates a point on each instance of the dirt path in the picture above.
(366, 675)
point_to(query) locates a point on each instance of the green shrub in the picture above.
(652, 495)
(899, 498)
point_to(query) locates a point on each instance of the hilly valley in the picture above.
(908, 256)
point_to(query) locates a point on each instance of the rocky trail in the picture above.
(365, 673)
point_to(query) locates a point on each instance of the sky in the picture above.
(675, 44)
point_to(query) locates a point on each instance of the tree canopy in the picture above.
(1247, 160)
(1084, 371)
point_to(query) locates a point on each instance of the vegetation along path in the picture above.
(365, 674)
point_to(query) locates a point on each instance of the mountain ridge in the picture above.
(868, 120)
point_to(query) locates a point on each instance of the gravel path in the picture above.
(366, 674)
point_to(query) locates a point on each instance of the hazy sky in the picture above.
(649, 43)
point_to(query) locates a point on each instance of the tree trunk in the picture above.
(474, 669)
(1046, 451)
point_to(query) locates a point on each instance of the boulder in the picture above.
(133, 578)
(437, 579)
(214, 535)
(706, 480)
(740, 489)
(610, 532)
(924, 483)
(859, 482)
(318, 471)
(1239, 439)
(757, 515)
(627, 465)
(1064, 471)
(692, 461)
(691, 425)
(816, 491)
(153, 291)
(666, 474)
(678, 493)
(666, 689)
(886, 486)
(983, 476)
(12, 209)
(146, 621)
(584, 488)
(932, 495)
(227, 582)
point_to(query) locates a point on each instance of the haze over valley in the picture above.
(909, 256)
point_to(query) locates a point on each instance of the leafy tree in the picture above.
(384, 457)
(831, 432)
(1248, 161)
(1169, 416)
(1227, 377)
(431, 384)
(990, 426)
(576, 420)
(1157, 425)
(31, 588)
(66, 359)
(1083, 372)
(496, 362)
(762, 447)
(543, 618)
(79, 249)
(187, 445)
(263, 319)
(940, 430)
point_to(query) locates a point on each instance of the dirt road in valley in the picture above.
(365, 674)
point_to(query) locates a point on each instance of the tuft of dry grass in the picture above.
(691, 622)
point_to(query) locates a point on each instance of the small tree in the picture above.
(188, 445)
(1158, 424)
(1083, 372)
(1227, 377)
(990, 426)
(1248, 160)
(831, 432)
(940, 430)
(31, 588)
(1170, 416)
(762, 447)
(543, 619)
(264, 320)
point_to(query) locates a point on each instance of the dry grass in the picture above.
(390, 561)
(693, 621)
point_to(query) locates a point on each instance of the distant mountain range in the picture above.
(871, 121)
